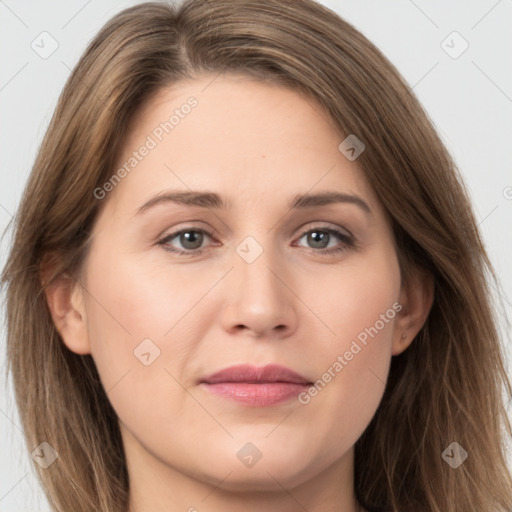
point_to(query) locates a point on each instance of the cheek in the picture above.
(144, 326)
(357, 301)
(347, 391)
(360, 307)
(129, 316)
(132, 300)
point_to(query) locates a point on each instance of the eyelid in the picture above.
(318, 225)
(343, 234)
(163, 238)
(346, 239)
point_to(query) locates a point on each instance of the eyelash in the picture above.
(348, 241)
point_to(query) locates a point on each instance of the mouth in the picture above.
(256, 386)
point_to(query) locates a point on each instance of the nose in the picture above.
(259, 301)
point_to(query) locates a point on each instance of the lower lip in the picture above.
(261, 395)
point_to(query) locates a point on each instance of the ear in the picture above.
(416, 299)
(65, 298)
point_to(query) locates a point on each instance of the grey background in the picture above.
(469, 99)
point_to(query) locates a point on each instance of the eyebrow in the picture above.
(214, 201)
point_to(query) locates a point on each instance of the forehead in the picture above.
(233, 134)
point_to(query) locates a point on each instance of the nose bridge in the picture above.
(258, 299)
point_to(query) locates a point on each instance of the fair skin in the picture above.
(257, 146)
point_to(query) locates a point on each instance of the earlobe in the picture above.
(416, 298)
(65, 300)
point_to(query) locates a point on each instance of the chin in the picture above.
(263, 479)
(261, 475)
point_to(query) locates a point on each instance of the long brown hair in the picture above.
(446, 387)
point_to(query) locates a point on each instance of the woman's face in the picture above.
(287, 260)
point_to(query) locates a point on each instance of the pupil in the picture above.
(191, 237)
(318, 239)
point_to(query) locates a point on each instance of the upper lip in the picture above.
(256, 374)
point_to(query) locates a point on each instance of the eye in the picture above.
(190, 240)
(323, 240)
(321, 237)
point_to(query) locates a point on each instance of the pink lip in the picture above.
(257, 386)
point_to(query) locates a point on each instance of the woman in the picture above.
(246, 276)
